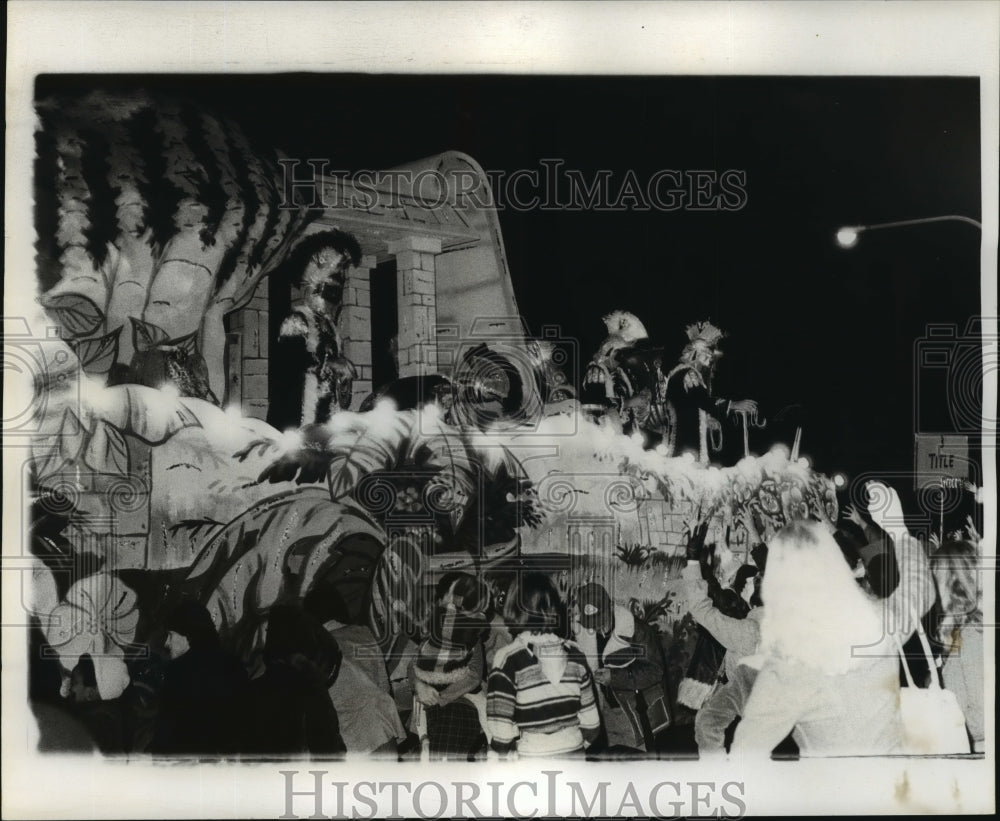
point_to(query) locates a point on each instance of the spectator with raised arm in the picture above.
(701, 598)
(914, 593)
(830, 672)
(739, 636)
(812, 682)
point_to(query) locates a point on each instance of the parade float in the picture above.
(370, 508)
(155, 474)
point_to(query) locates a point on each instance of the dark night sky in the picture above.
(808, 323)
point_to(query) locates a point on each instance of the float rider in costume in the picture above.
(693, 417)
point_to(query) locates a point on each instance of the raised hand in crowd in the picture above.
(974, 489)
(696, 541)
(970, 528)
(885, 508)
(852, 515)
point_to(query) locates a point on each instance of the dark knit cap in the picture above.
(595, 607)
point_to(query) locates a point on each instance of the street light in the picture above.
(848, 236)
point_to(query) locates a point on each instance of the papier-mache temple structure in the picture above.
(439, 257)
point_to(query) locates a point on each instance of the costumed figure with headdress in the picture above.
(693, 416)
(624, 374)
(625, 331)
(326, 259)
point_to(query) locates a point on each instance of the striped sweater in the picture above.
(540, 697)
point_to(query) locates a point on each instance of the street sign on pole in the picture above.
(941, 460)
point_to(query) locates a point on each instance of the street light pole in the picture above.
(847, 237)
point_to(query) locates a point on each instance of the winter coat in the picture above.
(854, 713)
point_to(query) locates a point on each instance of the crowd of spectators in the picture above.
(798, 653)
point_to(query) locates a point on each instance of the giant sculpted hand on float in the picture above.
(155, 219)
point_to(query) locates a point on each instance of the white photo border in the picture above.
(695, 38)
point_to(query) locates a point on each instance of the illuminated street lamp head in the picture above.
(847, 237)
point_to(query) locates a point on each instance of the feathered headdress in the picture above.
(706, 332)
(626, 325)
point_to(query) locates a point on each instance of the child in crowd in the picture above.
(540, 694)
(626, 660)
(447, 674)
